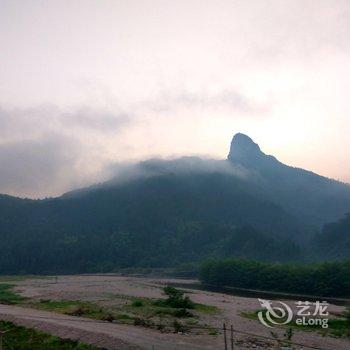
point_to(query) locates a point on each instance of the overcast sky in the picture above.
(88, 83)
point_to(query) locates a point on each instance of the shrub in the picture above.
(137, 303)
(176, 299)
(183, 313)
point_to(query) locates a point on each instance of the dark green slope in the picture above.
(334, 241)
(158, 221)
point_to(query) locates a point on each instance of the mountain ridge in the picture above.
(166, 212)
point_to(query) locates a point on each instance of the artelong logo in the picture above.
(280, 313)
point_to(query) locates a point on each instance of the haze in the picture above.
(88, 84)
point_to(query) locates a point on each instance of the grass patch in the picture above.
(339, 327)
(137, 303)
(75, 308)
(206, 309)
(20, 338)
(7, 296)
(148, 308)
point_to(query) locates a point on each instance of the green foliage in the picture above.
(137, 303)
(176, 299)
(7, 296)
(175, 305)
(347, 315)
(334, 241)
(323, 279)
(75, 308)
(182, 313)
(339, 327)
(289, 334)
(21, 338)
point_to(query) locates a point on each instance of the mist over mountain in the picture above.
(309, 197)
(166, 212)
(312, 198)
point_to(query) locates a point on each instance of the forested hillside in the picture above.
(334, 241)
(163, 213)
(158, 221)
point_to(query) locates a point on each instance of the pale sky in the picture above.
(85, 84)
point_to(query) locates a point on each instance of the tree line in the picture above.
(330, 279)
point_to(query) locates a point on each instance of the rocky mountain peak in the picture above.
(244, 148)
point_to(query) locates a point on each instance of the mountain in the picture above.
(166, 212)
(312, 198)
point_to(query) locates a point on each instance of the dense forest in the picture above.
(323, 279)
(159, 221)
(334, 241)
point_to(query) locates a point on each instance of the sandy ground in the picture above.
(105, 291)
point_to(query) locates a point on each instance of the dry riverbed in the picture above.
(135, 323)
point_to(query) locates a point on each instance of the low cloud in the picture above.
(33, 122)
(123, 172)
(44, 151)
(229, 98)
(32, 167)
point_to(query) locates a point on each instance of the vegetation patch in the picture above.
(160, 314)
(20, 338)
(313, 279)
(175, 299)
(176, 304)
(75, 308)
(7, 296)
(137, 303)
(176, 313)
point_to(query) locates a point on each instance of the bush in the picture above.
(182, 313)
(176, 299)
(137, 303)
